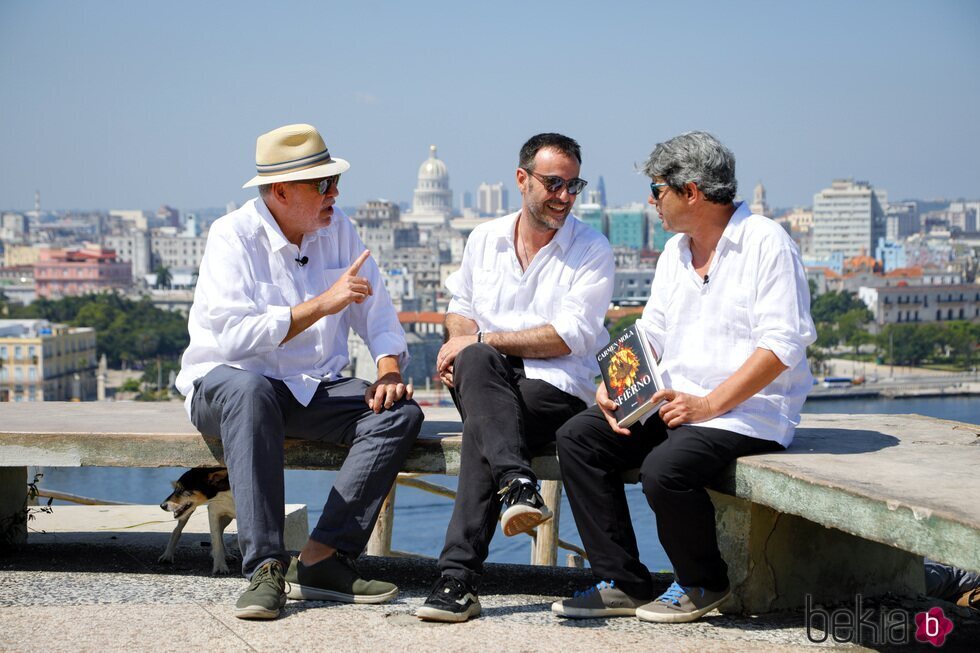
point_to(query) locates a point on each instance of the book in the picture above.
(630, 372)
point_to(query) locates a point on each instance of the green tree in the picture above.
(164, 278)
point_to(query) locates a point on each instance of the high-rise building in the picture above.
(592, 215)
(901, 220)
(491, 199)
(628, 226)
(432, 204)
(847, 218)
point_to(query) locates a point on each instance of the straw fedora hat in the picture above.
(293, 153)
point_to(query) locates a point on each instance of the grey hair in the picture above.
(264, 190)
(695, 157)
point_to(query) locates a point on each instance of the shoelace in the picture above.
(269, 571)
(447, 581)
(601, 585)
(673, 594)
(511, 493)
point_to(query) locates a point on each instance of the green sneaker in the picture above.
(335, 579)
(265, 595)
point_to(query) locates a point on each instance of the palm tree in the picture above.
(164, 278)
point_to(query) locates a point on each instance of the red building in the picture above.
(64, 272)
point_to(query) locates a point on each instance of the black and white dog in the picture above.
(197, 487)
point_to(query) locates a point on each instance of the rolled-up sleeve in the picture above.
(460, 282)
(244, 321)
(782, 322)
(583, 309)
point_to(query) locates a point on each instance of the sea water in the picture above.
(421, 518)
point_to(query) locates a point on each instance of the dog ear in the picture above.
(218, 476)
(173, 484)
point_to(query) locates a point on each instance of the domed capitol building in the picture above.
(432, 204)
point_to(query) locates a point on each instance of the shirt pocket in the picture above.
(268, 294)
(486, 291)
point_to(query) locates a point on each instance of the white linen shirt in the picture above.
(248, 282)
(568, 285)
(756, 297)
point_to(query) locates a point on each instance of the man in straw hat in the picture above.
(282, 281)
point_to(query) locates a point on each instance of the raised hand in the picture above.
(348, 289)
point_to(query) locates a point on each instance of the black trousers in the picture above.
(675, 466)
(505, 416)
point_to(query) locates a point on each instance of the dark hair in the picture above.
(564, 144)
(698, 157)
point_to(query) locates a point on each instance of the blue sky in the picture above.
(111, 104)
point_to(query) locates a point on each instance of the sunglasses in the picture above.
(324, 185)
(554, 184)
(655, 190)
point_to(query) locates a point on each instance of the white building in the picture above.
(491, 199)
(432, 204)
(759, 205)
(848, 218)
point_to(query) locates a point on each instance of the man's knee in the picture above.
(661, 475)
(245, 386)
(478, 358)
(409, 416)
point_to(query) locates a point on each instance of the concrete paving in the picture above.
(67, 595)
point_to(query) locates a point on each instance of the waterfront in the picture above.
(421, 518)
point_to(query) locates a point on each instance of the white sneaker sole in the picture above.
(257, 612)
(678, 617)
(521, 519)
(590, 613)
(303, 592)
(426, 613)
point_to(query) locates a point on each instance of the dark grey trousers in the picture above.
(505, 415)
(253, 414)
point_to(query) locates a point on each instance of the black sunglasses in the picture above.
(656, 189)
(324, 185)
(554, 184)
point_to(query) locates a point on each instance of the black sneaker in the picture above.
(451, 600)
(523, 507)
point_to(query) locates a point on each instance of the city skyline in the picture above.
(112, 105)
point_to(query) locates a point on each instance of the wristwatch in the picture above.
(479, 336)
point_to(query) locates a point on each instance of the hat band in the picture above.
(295, 164)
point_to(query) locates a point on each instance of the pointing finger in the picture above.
(356, 265)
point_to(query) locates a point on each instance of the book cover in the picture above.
(631, 375)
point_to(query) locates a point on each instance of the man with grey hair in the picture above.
(729, 317)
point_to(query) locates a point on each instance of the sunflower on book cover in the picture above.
(623, 366)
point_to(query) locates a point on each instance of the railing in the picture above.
(380, 541)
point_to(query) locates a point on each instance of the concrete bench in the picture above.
(851, 508)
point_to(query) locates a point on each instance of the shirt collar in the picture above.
(277, 240)
(736, 224)
(563, 238)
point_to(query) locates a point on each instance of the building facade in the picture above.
(938, 303)
(41, 361)
(68, 272)
(432, 203)
(848, 218)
